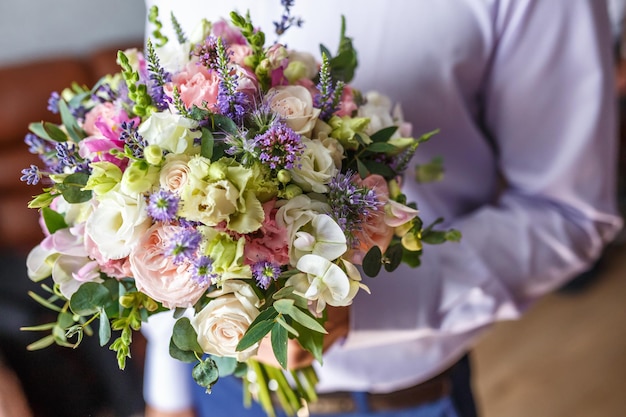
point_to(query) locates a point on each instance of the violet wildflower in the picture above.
(231, 103)
(53, 102)
(132, 139)
(279, 147)
(184, 244)
(163, 205)
(329, 96)
(350, 204)
(36, 145)
(31, 175)
(264, 272)
(202, 272)
(207, 52)
(158, 77)
(66, 156)
(287, 20)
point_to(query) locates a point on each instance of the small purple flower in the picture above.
(36, 145)
(280, 147)
(202, 272)
(184, 244)
(31, 175)
(264, 272)
(135, 142)
(163, 206)
(53, 102)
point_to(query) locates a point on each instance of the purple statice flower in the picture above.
(132, 139)
(31, 175)
(163, 205)
(207, 52)
(287, 20)
(279, 147)
(53, 102)
(350, 204)
(264, 272)
(184, 244)
(202, 272)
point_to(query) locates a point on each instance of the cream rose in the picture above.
(225, 319)
(117, 223)
(316, 167)
(174, 172)
(157, 275)
(295, 104)
(171, 132)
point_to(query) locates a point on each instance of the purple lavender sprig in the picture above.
(329, 96)
(350, 204)
(286, 19)
(133, 141)
(158, 77)
(231, 103)
(53, 102)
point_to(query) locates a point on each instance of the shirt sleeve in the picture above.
(549, 112)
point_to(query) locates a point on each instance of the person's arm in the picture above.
(550, 108)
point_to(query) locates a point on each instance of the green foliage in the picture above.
(343, 65)
(72, 188)
(205, 373)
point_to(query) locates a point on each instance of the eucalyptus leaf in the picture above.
(224, 124)
(184, 336)
(279, 339)
(226, 366)
(379, 168)
(362, 169)
(72, 188)
(181, 355)
(54, 132)
(393, 256)
(205, 373)
(207, 142)
(382, 147)
(372, 261)
(38, 129)
(254, 334)
(284, 306)
(411, 258)
(89, 298)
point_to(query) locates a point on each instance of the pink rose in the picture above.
(270, 242)
(105, 119)
(347, 104)
(157, 275)
(196, 84)
(228, 33)
(238, 53)
(375, 231)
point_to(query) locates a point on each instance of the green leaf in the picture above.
(185, 337)
(42, 343)
(426, 136)
(311, 341)
(224, 124)
(453, 235)
(362, 169)
(383, 135)
(54, 132)
(307, 320)
(382, 147)
(38, 129)
(54, 221)
(281, 320)
(205, 373)
(207, 142)
(430, 172)
(279, 344)
(226, 366)
(89, 298)
(254, 334)
(393, 256)
(104, 330)
(72, 188)
(379, 168)
(284, 306)
(181, 355)
(70, 123)
(372, 261)
(288, 292)
(411, 258)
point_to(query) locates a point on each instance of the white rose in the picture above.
(295, 104)
(225, 319)
(175, 172)
(171, 132)
(301, 65)
(117, 223)
(316, 167)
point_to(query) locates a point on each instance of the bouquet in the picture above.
(244, 187)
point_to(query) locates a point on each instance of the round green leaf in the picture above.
(205, 373)
(89, 298)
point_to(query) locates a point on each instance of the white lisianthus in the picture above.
(379, 109)
(171, 132)
(117, 223)
(325, 239)
(173, 56)
(225, 319)
(324, 282)
(316, 167)
(295, 104)
(301, 65)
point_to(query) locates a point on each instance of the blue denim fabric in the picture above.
(226, 401)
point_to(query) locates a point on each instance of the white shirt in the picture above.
(533, 76)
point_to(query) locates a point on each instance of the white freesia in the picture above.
(171, 132)
(326, 239)
(295, 104)
(117, 223)
(316, 167)
(221, 324)
(323, 282)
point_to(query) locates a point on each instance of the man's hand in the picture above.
(337, 325)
